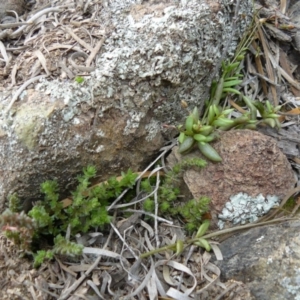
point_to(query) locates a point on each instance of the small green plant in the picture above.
(79, 79)
(168, 192)
(202, 132)
(193, 212)
(14, 203)
(49, 218)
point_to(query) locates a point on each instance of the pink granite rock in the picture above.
(251, 163)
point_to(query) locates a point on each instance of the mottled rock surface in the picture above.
(154, 55)
(6, 6)
(266, 259)
(251, 163)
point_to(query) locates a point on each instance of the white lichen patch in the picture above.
(242, 208)
(100, 133)
(133, 122)
(153, 128)
(292, 284)
(99, 149)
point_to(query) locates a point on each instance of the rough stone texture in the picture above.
(251, 163)
(295, 18)
(266, 259)
(18, 6)
(155, 55)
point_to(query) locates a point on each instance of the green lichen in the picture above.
(29, 121)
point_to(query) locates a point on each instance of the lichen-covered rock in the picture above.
(266, 259)
(252, 165)
(155, 54)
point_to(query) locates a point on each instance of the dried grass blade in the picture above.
(284, 74)
(95, 51)
(237, 107)
(33, 19)
(148, 228)
(283, 6)
(285, 66)
(159, 285)
(109, 281)
(78, 39)
(177, 295)
(267, 55)
(65, 294)
(4, 53)
(167, 277)
(260, 69)
(13, 25)
(42, 60)
(181, 268)
(101, 252)
(143, 283)
(211, 267)
(152, 289)
(13, 76)
(94, 287)
(217, 251)
(65, 268)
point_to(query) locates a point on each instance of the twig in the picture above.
(156, 210)
(149, 214)
(94, 52)
(123, 240)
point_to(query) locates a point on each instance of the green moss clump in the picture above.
(168, 192)
(50, 219)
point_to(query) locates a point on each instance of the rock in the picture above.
(266, 259)
(6, 6)
(155, 54)
(295, 18)
(252, 164)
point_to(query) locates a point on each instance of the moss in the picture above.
(190, 211)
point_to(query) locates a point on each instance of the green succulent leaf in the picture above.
(232, 83)
(231, 90)
(181, 137)
(209, 152)
(195, 115)
(203, 228)
(200, 138)
(203, 243)
(189, 122)
(186, 145)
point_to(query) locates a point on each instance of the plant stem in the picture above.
(214, 234)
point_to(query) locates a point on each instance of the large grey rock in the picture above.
(266, 259)
(155, 55)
